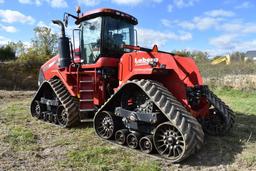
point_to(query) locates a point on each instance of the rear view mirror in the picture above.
(65, 20)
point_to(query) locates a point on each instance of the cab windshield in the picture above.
(116, 33)
(104, 36)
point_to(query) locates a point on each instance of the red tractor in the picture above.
(145, 99)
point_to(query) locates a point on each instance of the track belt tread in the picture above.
(225, 110)
(174, 111)
(67, 101)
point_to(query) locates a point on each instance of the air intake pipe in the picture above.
(63, 46)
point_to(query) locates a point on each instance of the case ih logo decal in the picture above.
(49, 65)
(145, 61)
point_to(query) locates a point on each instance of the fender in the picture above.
(51, 70)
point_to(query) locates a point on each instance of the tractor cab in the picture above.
(103, 33)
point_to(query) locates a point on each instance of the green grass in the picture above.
(107, 157)
(79, 149)
(235, 68)
(239, 101)
(20, 138)
(96, 157)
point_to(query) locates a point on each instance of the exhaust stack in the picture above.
(63, 46)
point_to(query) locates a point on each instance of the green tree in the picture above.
(44, 42)
(183, 52)
(7, 53)
(18, 47)
(200, 56)
(237, 56)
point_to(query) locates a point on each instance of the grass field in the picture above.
(29, 144)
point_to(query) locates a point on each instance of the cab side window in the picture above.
(91, 32)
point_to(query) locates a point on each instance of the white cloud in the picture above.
(127, 2)
(157, 1)
(200, 23)
(9, 29)
(25, 1)
(225, 41)
(166, 22)
(149, 37)
(230, 43)
(54, 28)
(245, 4)
(184, 3)
(220, 13)
(52, 3)
(214, 19)
(134, 2)
(11, 16)
(4, 40)
(58, 3)
(89, 2)
(230, 27)
(170, 8)
(246, 45)
(37, 2)
(1, 1)
(239, 27)
(41, 24)
(186, 25)
(204, 23)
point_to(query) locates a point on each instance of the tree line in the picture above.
(41, 48)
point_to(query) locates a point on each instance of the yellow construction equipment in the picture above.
(221, 59)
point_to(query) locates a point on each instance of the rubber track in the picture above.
(223, 108)
(67, 102)
(175, 112)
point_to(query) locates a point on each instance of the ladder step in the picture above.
(87, 110)
(86, 120)
(87, 72)
(86, 100)
(87, 81)
(86, 91)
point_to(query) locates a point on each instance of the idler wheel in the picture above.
(45, 116)
(146, 144)
(55, 119)
(133, 140)
(120, 136)
(50, 118)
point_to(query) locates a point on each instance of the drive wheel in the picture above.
(169, 141)
(36, 109)
(62, 116)
(104, 125)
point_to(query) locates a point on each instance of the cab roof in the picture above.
(107, 12)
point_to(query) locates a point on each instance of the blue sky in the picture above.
(218, 27)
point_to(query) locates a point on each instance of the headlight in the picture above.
(40, 77)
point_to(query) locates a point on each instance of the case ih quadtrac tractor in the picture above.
(145, 99)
